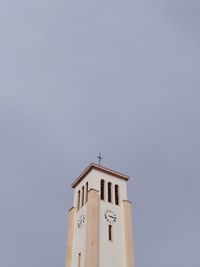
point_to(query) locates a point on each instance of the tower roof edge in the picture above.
(99, 168)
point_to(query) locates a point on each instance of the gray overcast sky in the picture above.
(78, 77)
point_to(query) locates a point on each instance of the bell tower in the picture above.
(100, 221)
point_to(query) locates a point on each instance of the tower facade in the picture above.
(100, 221)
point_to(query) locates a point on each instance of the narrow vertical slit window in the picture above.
(82, 196)
(78, 200)
(109, 192)
(102, 189)
(116, 194)
(86, 197)
(79, 260)
(110, 237)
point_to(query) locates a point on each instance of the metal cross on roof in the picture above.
(100, 158)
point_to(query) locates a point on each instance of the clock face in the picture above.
(110, 216)
(81, 220)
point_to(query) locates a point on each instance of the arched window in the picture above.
(102, 189)
(117, 194)
(78, 200)
(82, 196)
(86, 197)
(109, 192)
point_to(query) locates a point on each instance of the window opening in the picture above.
(102, 189)
(79, 260)
(110, 232)
(78, 200)
(86, 199)
(109, 192)
(82, 195)
(116, 194)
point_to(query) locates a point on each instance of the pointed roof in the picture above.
(99, 168)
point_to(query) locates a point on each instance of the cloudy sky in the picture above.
(83, 76)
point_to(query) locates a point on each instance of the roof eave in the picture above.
(100, 168)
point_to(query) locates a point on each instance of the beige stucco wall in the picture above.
(93, 179)
(91, 238)
(92, 230)
(128, 234)
(70, 237)
(111, 253)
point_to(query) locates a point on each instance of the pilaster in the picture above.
(128, 234)
(92, 230)
(70, 237)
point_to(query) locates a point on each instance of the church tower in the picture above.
(100, 221)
